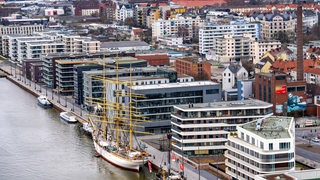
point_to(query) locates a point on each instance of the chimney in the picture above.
(299, 40)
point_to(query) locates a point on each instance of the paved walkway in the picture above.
(63, 103)
(160, 159)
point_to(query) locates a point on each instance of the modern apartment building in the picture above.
(64, 71)
(229, 47)
(263, 146)
(20, 29)
(179, 26)
(49, 64)
(19, 47)
(210, 31)
(202, 129)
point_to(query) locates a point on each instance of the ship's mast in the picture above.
(117, 93)
(130, 109)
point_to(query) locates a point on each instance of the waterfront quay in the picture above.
(63, 103)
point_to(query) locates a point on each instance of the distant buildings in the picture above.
(210, 31)
(86, 7)
(179, 26)
(124, 46)
(19, 47)
(202, 129)
(273, 23)
(263, 146)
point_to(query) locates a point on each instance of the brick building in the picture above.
(86, 7)
(275, 88)
(200, 70)
(155, 59)
(107, 11)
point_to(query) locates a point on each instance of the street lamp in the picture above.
(169, 136)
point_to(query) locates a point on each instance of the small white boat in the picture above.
(68, 117)
(44, 102)
(87, 127)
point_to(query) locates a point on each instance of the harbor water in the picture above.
(36, 144)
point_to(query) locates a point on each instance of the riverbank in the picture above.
(60, 103)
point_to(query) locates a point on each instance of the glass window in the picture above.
(301, 88)
(270, 146)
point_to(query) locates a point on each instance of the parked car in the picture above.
(315, 140)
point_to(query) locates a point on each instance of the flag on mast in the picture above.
(173, 157)
(150, 166)
(181, 166)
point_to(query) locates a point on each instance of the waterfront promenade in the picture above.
(63, 103)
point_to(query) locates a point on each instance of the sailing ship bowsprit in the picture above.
(114, 123)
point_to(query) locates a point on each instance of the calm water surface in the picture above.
(36, 144)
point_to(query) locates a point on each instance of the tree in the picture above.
(284, 37)
(130, 21)
(183, 32)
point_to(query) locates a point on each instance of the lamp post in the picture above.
(199, 161)
(169, 136)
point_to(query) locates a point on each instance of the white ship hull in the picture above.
(133, 165)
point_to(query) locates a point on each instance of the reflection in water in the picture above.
(36, 144)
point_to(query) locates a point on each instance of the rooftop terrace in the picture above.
(273, 127)
(250, 103)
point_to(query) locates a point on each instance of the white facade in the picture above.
(90, 12)
(170, 27)
(21, 29)
(259, 48)
(210, 31)
(231, 74)
(19, 47)
(273, 23)
(203, 128)
(261, 147)
(123, 12)
(171, 41)
(53, 12)
(312, 76)
(244, 89)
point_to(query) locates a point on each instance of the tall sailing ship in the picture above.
(114, 123)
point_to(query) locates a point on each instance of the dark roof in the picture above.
(234, 68)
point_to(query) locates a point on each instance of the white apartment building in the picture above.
(259, 48)
(16, 46)
(202, 129)
(210, 31)
(263, 146)
(273, 23)
(36, 49)
(170, 27)
(20, 29)
(312, 75)
(123, 12)
(229, 47)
